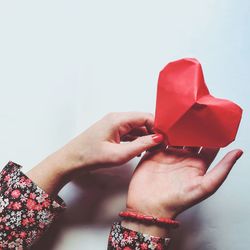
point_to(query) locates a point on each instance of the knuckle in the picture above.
(111, 117)
(150, 114)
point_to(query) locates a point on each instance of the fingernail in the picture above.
(158, 138)
(239, 154)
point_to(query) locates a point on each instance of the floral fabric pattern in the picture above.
(121, 238)
(26, 211)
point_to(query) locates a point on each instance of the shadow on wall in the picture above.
(188, 236)
(92, 208)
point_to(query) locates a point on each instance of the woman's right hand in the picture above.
(102, 145)
(99, 146)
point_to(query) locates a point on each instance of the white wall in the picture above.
(64, 64)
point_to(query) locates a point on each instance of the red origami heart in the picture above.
(187, 114)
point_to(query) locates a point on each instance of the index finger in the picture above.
(131, 120)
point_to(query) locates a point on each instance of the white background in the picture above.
(64, 64)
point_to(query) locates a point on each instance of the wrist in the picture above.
(158, 212)
(76, 154)
(53, 172)
(146, 226)
(65, 161)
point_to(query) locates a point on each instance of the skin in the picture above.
(165, 182)
(98, 147)
(176, 179)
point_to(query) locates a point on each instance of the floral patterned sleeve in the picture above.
(121, 238)
(26, 211)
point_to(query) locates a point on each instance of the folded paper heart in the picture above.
(187, 114)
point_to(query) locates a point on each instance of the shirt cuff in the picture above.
(125, 239)
(26, 211)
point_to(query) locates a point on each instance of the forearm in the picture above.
(56, 170)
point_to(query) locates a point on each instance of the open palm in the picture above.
(168, 181)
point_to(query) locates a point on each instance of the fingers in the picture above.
(139, 131)
(128, 137)
(215, 177)
(141, 144)
(127, 121)
(134, 133)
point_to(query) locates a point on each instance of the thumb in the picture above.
(141, 144)
(215, 177)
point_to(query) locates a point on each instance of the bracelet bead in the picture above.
(149, 219)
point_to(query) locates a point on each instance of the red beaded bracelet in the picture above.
(149, 219)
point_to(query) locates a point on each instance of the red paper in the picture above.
(187, 114)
